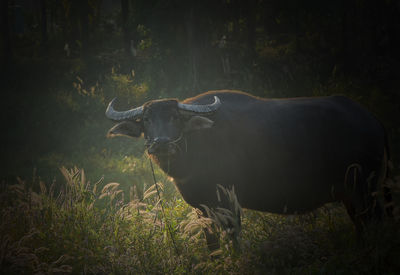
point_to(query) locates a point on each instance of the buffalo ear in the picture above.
(198, 123)
(126, 128)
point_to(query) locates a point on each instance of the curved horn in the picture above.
(208, 108)
(124, 115)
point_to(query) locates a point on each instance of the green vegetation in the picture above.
(63, 61)
(83, 227)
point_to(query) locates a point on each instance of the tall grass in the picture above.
(96, 228)
(84, 228)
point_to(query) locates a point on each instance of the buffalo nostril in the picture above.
(158, 144)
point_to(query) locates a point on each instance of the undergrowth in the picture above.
(97, 228)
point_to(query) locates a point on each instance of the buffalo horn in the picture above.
(124, 115)
(208, 108)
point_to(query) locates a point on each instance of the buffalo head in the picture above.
(163, 122)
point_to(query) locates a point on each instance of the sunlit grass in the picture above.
(89, 227)
(98, 228)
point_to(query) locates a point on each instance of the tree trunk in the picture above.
(236, 15)
(125, 31)
(192, 46)
(53, 18)
(43, 22)
(6, 48)
(84, 20)
(345, 56)
(251, 29)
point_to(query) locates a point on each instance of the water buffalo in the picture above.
(281, 155)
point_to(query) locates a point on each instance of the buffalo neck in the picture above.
(174, 166)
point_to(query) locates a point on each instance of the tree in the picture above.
(6, 48)
(43, 11)
(125, 29)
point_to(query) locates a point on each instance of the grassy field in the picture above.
(94, 227)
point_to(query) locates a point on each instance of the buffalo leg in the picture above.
(360, 198)
(212, 238)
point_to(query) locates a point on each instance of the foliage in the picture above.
(83, 227)
(59, 78)
(92, 228)
(267, 48)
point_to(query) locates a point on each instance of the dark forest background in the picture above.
(62, 61)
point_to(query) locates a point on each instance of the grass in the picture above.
(98, 228)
